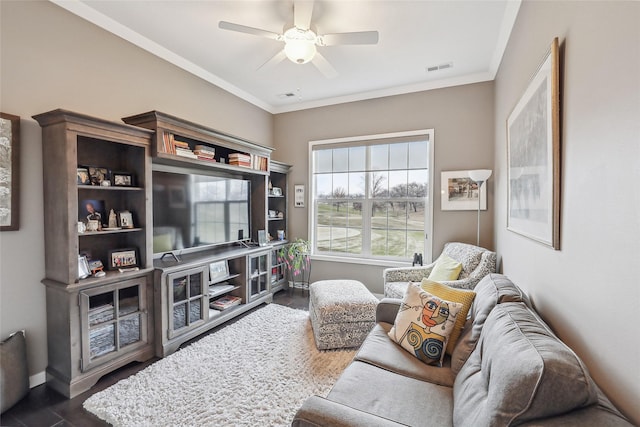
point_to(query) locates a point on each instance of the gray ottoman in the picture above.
(342, 313)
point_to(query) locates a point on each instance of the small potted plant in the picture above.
(295, 257)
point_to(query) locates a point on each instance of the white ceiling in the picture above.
(413, 35)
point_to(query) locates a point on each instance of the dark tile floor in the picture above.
(44, 407)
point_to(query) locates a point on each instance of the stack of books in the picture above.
(260, 163)
(225, 302)
(182, 149)
(204, 152)
(239, 159)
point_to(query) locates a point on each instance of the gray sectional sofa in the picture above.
(507, 368)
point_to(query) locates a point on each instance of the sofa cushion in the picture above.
(407, 401)
(518, 372)
(463, 296)
(468, 255)
(445, 268)
(424, 323)
(491, 290)
(14, 376)
(379, 350)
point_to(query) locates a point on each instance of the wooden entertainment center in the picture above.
(144, 304)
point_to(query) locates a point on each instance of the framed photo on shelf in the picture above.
(122, 179)
(83, 176)
(126, 219)
(262, 237)
(123, 258)
(458, 192)
(99, 176)
(218, 269)
(10, 172)
(92, 209)
(276, 191)
(83, 267)
(533, 156)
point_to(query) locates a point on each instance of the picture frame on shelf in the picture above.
(122, 179)
(10, 176)
(533, 156)
(83, 176)
(125, 219)
(99, 176)
(276, 192)
(83, 267)
(92, 210)
(123, 258)
(458, 192)
(262, 237)
(218, 270)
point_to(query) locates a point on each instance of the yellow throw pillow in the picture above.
(463, 296)
(446, 268)
(423, 324)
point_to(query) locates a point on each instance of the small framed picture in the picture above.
(262, 237)
(276, 191)
(122, 179)
(460, 193)
(91, 209)
(83, 176)
(99, 176)
(123, 258)
(83, 267)
(218, 269)
(126, 219)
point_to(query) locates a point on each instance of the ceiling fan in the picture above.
(300, 41)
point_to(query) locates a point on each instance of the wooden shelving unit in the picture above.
(97, 324)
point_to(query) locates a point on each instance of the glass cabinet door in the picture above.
(259, 272)
(188, 300)
(113, 320)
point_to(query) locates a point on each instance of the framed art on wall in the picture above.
(9, 172)
(533, 156)
(460, 193)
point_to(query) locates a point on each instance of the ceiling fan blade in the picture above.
(302, 11)
(275, 59)
(361, 37)
(248, 30)
(323, 65)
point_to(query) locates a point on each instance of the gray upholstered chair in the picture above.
(476, 263)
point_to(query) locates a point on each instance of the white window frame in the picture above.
(428, 241)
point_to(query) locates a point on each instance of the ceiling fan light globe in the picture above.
(300, 51)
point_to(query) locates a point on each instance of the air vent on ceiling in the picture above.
(440, 67)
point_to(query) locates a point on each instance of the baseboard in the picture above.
(37, 379)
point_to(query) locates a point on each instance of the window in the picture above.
(370, 196)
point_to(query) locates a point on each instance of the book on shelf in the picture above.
(225, 302)
(205, 149)
(220, 288)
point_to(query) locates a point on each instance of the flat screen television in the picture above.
(192, 211)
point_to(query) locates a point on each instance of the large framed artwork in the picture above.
(533, 156)
(460, 193)
(9, 172)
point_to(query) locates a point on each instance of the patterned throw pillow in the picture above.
(448, 293)
(446, 268)
(424, 323)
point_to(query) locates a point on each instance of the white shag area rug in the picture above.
(256, 371)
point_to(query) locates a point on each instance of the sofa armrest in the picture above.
(407, 274)
(387, 310)
(318, 411)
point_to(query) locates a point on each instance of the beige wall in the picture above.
(53, 59)
(588, 291)
(462, 118)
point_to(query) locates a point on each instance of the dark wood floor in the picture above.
(44, 407)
